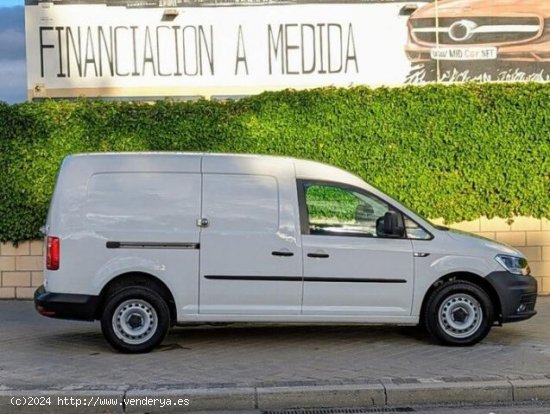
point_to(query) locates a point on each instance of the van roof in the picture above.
(304, 169)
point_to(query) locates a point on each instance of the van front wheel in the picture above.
(135, 319)
(459, 313)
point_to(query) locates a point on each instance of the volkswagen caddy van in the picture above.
(146, 241)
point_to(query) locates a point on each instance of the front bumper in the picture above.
(66, 305)
(517, 295)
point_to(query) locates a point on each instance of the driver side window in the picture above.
(340, 211)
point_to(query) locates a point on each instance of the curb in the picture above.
(379, 394)
(450, 393)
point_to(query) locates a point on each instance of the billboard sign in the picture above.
(177, 48)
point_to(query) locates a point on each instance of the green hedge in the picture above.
(455, 152)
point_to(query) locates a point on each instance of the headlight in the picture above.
(514, 264)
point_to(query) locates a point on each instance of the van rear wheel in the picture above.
(459, 313)
(135, 319)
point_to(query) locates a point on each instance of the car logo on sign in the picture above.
(462, 30)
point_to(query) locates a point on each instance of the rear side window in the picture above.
(143, 202)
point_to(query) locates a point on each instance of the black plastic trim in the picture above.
(65, 305)
(511, 290)
(151, 245)
(353, 280)
(305, 279)
(263, 278)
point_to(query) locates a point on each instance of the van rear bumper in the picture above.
(517, 295)
(65, 305)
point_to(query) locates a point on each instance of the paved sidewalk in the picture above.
(38, 353)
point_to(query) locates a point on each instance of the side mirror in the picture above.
(393, 224)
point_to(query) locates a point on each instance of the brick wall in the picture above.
(21, 267)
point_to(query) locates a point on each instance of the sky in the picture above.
(12, 51)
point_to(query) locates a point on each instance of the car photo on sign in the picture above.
(511, 33)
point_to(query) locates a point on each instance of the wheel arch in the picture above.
(138, 279)
(468, 277)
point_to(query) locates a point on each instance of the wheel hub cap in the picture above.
(135, 321)
(460, 315)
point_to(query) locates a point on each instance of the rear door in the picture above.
(250, 261)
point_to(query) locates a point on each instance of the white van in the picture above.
(145, 241)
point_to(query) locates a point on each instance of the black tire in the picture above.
(133, 306)
(454, 301)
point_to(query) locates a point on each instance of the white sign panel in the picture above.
(158, 48)
(216, 50)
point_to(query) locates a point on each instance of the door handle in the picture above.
(318, 255)
(282, 253)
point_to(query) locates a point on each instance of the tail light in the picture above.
(53, 253)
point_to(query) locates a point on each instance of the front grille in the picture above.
(482, 30)
(479, 39)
